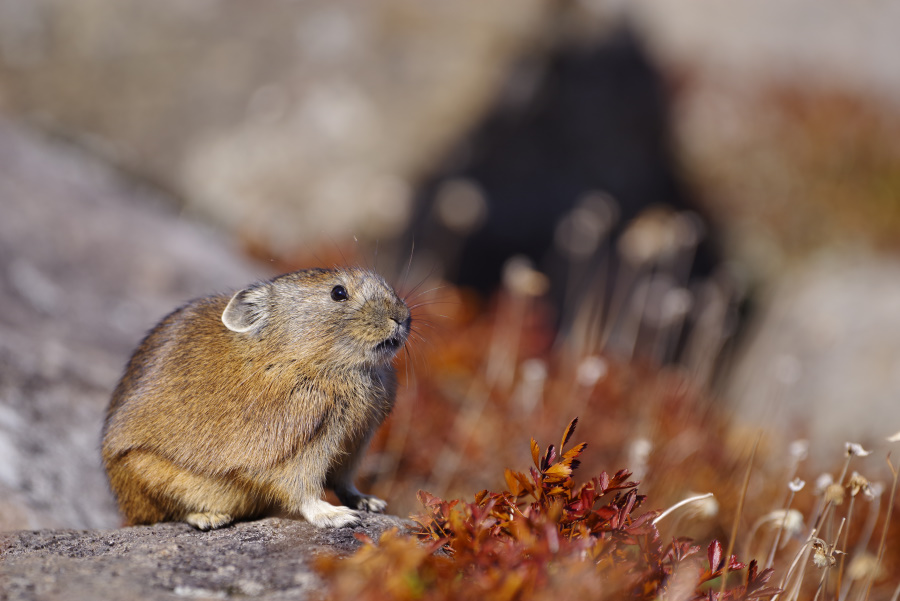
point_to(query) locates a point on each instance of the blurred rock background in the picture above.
(147, 149)
(90, 260)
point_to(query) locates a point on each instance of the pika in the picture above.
(235, 407)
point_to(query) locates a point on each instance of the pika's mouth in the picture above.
(390, 345)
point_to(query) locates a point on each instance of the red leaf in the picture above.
(602, 483)
(637, 523)
(714, 554)
(427, 499)
(549, 458)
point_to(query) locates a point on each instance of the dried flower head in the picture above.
(791, 520)
(639, 450)
(461, 205)
(530, 389)
(822, 558)
(799, 449)
(857, 483)
(796, 485)
(591, 370)
(655, 234)
(581, 230)
(855, 449)
(862, 566)
(834, 493)
(676, 304)
(874, 490)
(823, 482)
(521, 278)
(706, 506)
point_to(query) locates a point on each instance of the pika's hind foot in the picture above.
(322, 514)
(209, 520)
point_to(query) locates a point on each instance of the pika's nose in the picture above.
(401, 316)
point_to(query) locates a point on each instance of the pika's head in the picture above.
(333, 318)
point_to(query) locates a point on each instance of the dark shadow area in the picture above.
(589, 119)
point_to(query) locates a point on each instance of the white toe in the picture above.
(325, 515)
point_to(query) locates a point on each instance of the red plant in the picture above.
(541, 537)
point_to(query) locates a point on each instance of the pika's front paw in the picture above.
(208, 520)
(371, 504)
(351, 497)
(325, 515)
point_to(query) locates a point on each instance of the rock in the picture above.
(813, 43)
(789, 133)
(822, 360)
(303, 122)
(786, 115)
(89, 261)
(266, 559)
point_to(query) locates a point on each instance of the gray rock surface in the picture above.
(811, 42)
(267, 559)
(785, 115)
(823, 360)
(288, 122)
(88, 263)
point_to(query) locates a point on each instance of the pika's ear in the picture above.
(247, 309)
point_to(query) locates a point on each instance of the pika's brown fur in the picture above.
(233, 408)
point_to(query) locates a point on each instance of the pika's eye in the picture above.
(339, 293)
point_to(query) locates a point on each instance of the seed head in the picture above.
(857, 483)
(796, 485)
(862, 566)
(703, 508)
(834, 493)
(792, 520)
(799, 449)
(520, 277)
(591, 370)
(821, 557)
(855, 449)
(874, 490)
(823, 482)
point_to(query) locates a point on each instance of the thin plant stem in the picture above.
(771, 559)
(829, 505)
(821, 584)
(737, 517)
(681, 504)
(840, 574)
(829, 550)
(803, 552)
(884, 532)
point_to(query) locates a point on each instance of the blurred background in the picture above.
(678, 221)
